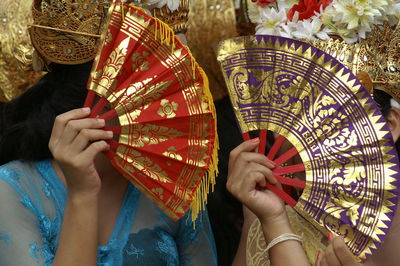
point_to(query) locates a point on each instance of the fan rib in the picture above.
(246, 136)
(291, 182)
(289, 169)
(286, 156)
(109, 115)
(115, 129)
(275, 148)
(263, 141)
(98, 107)
(282, 194)
(89, 99)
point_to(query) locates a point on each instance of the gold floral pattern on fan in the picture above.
(151, 86)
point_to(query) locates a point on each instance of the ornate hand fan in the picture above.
(148, 81)
(310, 99)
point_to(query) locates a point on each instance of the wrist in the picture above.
(82, 198)
(275, 226)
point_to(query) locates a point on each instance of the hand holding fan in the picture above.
(310, 99)
(148, 80)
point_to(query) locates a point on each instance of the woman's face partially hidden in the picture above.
(393, 120)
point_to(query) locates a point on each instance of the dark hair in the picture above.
(27, 121)
(383, 101)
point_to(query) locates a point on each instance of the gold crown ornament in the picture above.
(384, 45)
(67, 31)
(15, 49)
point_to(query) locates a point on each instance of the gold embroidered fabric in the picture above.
(313, 240)
(15, 48)
(211, 21)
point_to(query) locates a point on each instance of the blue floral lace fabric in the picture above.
(32, 202)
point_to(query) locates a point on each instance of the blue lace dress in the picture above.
(32, 201)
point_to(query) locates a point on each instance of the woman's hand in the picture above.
(248, 171)
(75, 141)
(337, 253)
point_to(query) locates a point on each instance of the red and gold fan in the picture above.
(308, 98)
(147, 80)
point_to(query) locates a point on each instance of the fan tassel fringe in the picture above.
(200, 198)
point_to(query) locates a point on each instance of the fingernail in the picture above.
(101, 121)
(86, 109)
(272, 162)
(330, 236)
(110, 134)
(255, 140)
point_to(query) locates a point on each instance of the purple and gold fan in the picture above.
(308, 98)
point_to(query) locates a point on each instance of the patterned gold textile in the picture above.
(167, 141)
(313, 240)
(15, 49)
(318, 105)
(211, 21)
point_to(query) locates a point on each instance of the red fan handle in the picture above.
(279, 171)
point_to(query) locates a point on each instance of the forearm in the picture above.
(240, 257)
(79, 233)
(289, 252)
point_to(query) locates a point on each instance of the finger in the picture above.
(268, 175)
(86, 136)
(331, 257)
(95, 148)
(252, 157)
(343, 252)
(243, 188)
(246, 146)
(74, 127)
(318, 259)
(62, 120)
(322, 260)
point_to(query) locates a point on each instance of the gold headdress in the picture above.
(369, 46)
(67, 31)
(374, 60)
(15, 49)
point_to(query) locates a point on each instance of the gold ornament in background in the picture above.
(375, 60)
(15, 49)
(67, 31)
(384, 44)
(177, 20)
(211, 21)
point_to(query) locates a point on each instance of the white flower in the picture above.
(270, 21)
(254, 13)
(354, 19)
(310, 29)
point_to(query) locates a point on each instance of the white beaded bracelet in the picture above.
(282, 238)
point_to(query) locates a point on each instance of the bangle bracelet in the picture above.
(282, 238)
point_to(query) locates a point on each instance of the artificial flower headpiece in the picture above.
(360, 34)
